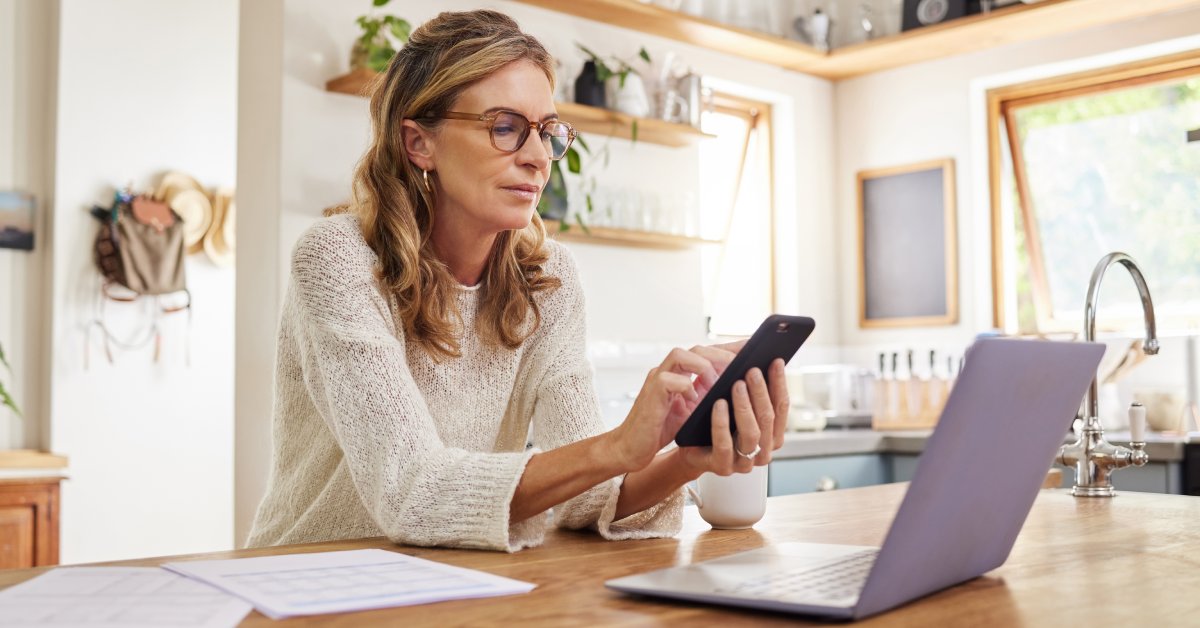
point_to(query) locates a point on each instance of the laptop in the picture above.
(975, 483)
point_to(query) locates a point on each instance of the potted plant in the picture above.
(5, 398)
(381, 35)
(553, 203)
(624, 88)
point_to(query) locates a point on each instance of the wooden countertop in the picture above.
(30, 459)
(1131, 560)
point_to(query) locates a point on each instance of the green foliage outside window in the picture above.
(1113, 171)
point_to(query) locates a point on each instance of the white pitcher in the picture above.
(630, 99)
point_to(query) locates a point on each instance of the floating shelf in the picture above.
(587, 119)
(607, 122)
(356, 83)
(1022, 22)
(623, 237)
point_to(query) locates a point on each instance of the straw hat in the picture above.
(185, 196)
(219, 241)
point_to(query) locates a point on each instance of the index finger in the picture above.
(734, 346)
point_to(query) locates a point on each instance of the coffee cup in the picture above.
(732, 502)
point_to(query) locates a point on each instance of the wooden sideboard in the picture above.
(28, 522)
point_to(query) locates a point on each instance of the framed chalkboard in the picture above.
(908, 258)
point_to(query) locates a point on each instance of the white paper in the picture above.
(336, 582)
(117, 597)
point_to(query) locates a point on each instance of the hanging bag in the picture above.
(140, 245)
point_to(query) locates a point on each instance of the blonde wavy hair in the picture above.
(443, 57)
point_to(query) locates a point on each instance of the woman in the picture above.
(431, 334)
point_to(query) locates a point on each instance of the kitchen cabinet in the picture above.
(823, 473)
(28, 522)
(811, 474)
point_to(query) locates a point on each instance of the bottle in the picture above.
(588, 88)
(691, 89)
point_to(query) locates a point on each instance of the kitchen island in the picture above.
(1127, 561)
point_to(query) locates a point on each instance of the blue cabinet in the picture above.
(807, 475)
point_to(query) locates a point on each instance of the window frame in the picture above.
(1001, 104)
(758, 115)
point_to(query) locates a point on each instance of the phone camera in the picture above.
(781, 327)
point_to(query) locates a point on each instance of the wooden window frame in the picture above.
(758, 115)
(1001, 104)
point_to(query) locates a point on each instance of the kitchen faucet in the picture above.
(1094, 458)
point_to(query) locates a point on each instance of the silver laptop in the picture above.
(974, 485)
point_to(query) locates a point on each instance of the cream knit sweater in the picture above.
(372, 437)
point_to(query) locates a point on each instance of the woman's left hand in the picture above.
(759, 409)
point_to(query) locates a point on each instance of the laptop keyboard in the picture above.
(838, 582)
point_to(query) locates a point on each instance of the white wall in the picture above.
(258, 287)
(931, 110)
(143, 87)
(634, 295)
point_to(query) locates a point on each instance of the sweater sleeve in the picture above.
(567, 410)
(417, 490)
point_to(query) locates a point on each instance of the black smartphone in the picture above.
(778, 336)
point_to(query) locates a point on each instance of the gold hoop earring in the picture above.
(425, 177)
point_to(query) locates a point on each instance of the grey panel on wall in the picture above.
(904, 245)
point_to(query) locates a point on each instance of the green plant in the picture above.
(556, 188)
(5, 398)
(622, 68)
(374, 49)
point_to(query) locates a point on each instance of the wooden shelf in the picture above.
(1012, 24)
(607, 122)
(357, 83)
(623, 237)
(587, 119)
(655, 20)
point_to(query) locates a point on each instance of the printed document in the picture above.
(336, 582)
(117, 597)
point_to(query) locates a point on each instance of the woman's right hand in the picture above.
(666, 400)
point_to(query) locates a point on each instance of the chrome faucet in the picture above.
(1094, 458)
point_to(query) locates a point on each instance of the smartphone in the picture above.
(778, 336)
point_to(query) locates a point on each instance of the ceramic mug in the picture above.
(732, 502)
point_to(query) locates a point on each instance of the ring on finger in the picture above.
(751, 455)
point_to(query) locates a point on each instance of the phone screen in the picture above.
(778, 336)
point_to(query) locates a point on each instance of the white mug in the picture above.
(732, 502)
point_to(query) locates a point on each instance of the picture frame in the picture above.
(18, 220)
(907, 245)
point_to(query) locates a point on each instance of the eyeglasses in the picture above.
(509, 130)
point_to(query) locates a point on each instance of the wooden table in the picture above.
(1132, 560)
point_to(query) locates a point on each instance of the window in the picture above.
(736, 206)
(1086, 165)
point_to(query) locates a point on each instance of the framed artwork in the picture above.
(907, 246)
(16, 220)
